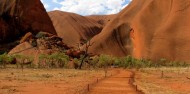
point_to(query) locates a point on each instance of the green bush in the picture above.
(24, 60)
(130, 62)
(5, 59)
(117, 62)
(76, 63)
(127, 62)
(94, 61)
(176, 64)
(56, 60)
(104, 61)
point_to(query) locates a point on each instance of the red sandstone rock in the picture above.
(73, 28)
(18, 17)
(161, 30)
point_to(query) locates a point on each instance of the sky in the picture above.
(86, 7)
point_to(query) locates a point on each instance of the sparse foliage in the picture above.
(87, 45)
(104, 62)
(5, 59)
(56, 60)
(23, 60)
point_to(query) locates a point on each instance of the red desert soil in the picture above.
(117, 84)
(174, 80)
(46, 81)
(65, 81)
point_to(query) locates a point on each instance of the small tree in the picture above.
(104, 62)
(87, 45)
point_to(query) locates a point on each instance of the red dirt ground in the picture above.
(65, 81)
(116, 84)
(46, 81)
(174, 80)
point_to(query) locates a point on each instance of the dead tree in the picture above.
(87, 45)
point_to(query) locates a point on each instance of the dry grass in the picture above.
(173, 80)
(46, 81)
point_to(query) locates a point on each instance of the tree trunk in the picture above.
(80, 66)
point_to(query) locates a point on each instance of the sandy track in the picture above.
(117, 84)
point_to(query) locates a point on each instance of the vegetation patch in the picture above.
(56, 60)
(61, 60)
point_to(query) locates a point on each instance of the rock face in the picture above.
(42, 43)
(102, 19)
(150, 29)
(18, 17)
(74, 28)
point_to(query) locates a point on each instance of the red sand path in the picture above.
(117, 84)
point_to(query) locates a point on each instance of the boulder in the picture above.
(17, 17)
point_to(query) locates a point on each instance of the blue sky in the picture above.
(86, 7)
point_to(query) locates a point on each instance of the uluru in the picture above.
(160, 29)
(94, 46)
(137, 30)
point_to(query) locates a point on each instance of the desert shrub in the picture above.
(133, 63)
(2, 63)
(43, 58)
(140, 63)
(76, 63)
(56, 60)
(127, 62)
(60, 59)
(130, 62)
(176, 64)
(5, 59)
(117, 62)
(23, 60)
(148, 63)
(94, 61)
(104, 61)
(168, 63)
(160, 63)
